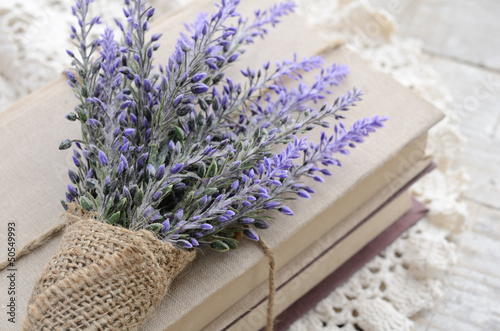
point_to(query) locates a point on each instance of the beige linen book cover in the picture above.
(33, 172)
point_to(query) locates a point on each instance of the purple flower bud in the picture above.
(246, 220)
(70, 53)
(177, 100)
(93, 122)
(73, 176)
(133, 118)
(103, 158)
(72, 191)
(184, 46)
(309, 189)
(147, 85)
(128, 39)
(271, 204)
(194, 242)
(156, 37)
(142, 159)
(304, 194)
(233, 57)
(184, 244)
(179, 186)
(177, 168)
(287, 211)
(319, 179)
(206, 226)
(120, 169)
(166, 225)
(160, 172)
(90, 174)
(251, 234)
(126, 193)
(150, 170)
(75, 160)
(196, 78)
(235, 185)
(128, 132)
(326, 172)
(71, 76)
(157, 196)
(199, 88)
(179, 214)
(150, 12)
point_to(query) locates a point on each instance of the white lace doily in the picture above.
(406, 278)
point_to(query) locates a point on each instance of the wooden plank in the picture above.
(476, 105)
(461, 30)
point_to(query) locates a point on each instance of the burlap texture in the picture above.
(103, 277)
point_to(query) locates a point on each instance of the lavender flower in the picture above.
(181, 149)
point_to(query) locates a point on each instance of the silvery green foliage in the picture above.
(185, 152)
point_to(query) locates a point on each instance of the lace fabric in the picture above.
(407, 277)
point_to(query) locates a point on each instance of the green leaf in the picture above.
(138, 197)
(114, 218)
(122, 204)
(155, 227)
(210, 191)
(232, 243)
(219, 246)
(86, 203)
(178, 133)
(212, 170)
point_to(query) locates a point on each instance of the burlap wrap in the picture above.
(103, 277)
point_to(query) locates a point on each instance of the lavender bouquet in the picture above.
(178, 156)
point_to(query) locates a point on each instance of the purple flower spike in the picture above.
(199, 88)
(103, 158)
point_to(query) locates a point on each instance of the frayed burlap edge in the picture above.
(103, 277)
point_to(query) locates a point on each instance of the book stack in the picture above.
(358, 211)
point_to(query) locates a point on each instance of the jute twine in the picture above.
(103, 277)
